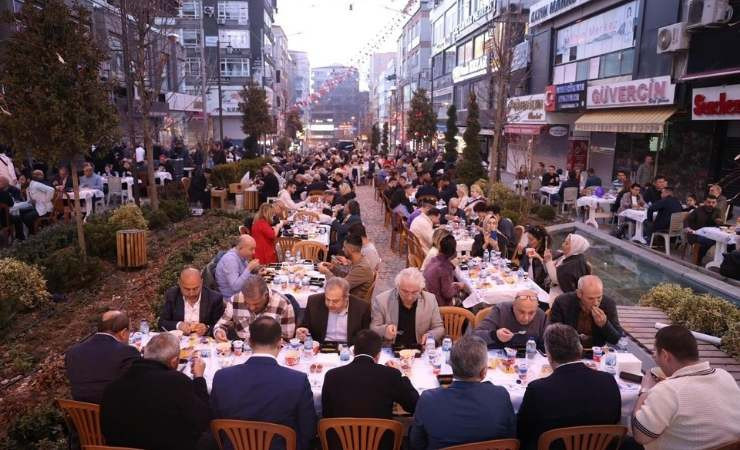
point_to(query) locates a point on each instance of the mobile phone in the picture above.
(630, 377)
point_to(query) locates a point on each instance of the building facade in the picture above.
(337, 114)
(378, 64)
(283, 83)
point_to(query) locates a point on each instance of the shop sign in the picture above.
(471, 69)
(558, 130)
(566, 97)
(545, 10)
(646, 92)
(716, 103)
(526, 109)
(520, 56)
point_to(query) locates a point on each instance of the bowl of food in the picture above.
(292, 357)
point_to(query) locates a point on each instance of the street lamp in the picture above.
(229, 49)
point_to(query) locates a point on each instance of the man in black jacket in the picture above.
(270, 185)
(664, 208)
(334, 316)
(573, 395)
(191, 307)
(587, 310)
(153, 406)
(365, 388)
(707, 215)
(101, 358)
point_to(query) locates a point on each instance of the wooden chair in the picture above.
(251, 200)
(428, 198)
(308, 216)
(313, 199)
(497, 444)
(107, 447)
(388, 213)
(283, 244)
(316, 192)
(250, 435)
(85, 417)
(403, 238)
(310, 250)
(395, 228)
(675, 229)
(412, 259)
(369, 295)
(481, 316)
(454, 319)
(591, 437)
(218, 198)
(185, 181)
(360, 434)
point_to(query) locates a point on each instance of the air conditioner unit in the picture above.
(673, 38)
(222, 21)
(707, 12)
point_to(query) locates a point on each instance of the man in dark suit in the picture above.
(587, 310)
(262, 390)
(574, 395)
(152, 405)
(663, 209)
(270, 185)
(334, 316)
(365, 388)
(101, 358)
(469, 410)
(189, 306)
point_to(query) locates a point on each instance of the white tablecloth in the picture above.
(161, 176)
(592, 202)
(550, 190)
(17, 207)
(87, 196)
(313, 230)
(723, 239)
(639, 216)
(499, 290)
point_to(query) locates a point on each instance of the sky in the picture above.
(332, 33)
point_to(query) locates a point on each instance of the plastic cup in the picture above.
(292, 357)
(598, 352)
(521, 370)
(238, 347)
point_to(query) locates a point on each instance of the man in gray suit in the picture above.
(406, 315)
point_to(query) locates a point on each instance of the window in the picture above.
(439, 31)
(190, 38)
(461, 55)
(235, 38)
(481, 89)
(192, 67)
(449, 60)
(462, 95)
(235, 67)
(582, 69)
(478, 46)
(234, 11)
(190, 10)
(450, 20)
(609, 65)
(438, 65)
(628, 57)
(468, 51)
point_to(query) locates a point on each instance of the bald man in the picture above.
(235, 266)
(191, 307)
(511, 324)
(101, 358)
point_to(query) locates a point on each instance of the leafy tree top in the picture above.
(256, 119)
(451, 133)
(422, 122)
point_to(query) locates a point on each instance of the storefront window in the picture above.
(449, 60)
(478, 46)
(610, 65)
(628, 58)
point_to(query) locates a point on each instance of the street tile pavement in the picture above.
(372, 217)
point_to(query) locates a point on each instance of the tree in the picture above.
(422, 121)
(384, 140)
(374, 138)
(56, 106)
(256, 119)
(470, 169)
(450, 134)
(293, 124)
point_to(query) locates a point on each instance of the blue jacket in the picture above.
(462, 413)
(262, 390)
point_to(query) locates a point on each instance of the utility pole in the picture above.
(203, 86)
(125, 40)
(220, 96)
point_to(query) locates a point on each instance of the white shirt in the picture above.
(697, 407)
(284, 196)
(423, 228)
(371, 254)
(192, 313)
(140, 154)
(336, 326)
(41, 196)
(7, 169)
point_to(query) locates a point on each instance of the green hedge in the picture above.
(698, 312)
(66, 271)
(37, 247)
(224, 174)
(41, 428)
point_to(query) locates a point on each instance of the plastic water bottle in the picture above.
(446, 349)
(298, 257)
(520, 274)
(486, 256)
(308, 348)
(287, 256)
(431, 348)
(144, 327)
(610, 363)
(344, 353)
(531, 348)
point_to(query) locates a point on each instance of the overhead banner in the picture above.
(547, 9)
(716, 103)
(646, 92)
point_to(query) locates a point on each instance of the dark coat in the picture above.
(316, 316)
(154, 407)
(271, 186)
(427, 189)
(372, 389)
(539, 271)
(262, 390)
(574, 395)
(665, 208)
(566, 308)
(173, 311)
(570, 270)
(93, 363)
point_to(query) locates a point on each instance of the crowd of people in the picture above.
(147, 403)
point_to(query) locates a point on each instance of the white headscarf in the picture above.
(578, 244)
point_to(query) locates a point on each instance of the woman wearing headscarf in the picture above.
(569, 266)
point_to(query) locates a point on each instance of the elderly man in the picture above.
(90, 179)
(235, 266)
(261, 389)
(573, 395)
(360, 275)
(469, 410)
(101, 358)
(696, 406)
(591, 313)
(335, 315)
(177, 410)
(512, 324)
(190, 307)
(453, 212)
(406, 315)
(255, 300)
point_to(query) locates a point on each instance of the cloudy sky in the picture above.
(331, 32)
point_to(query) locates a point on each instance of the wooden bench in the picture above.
(639, 323)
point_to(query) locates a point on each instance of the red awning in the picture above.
(523, 129)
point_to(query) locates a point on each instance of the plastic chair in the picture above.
(250, 435)
(481, 315)
(309, 216)
(497, 444)
(454, 319)
(284, 244)
(316, 192)
(115, 188)
(675, 229)
(85, 418)
(360, 434)
(185, 181)
(310, 250)
(570, 196)
(591, 437)
(533, 188)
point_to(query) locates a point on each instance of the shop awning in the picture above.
(517, 128)
(642, 120)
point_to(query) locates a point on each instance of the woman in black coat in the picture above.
(565, 270)
(531, 259)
